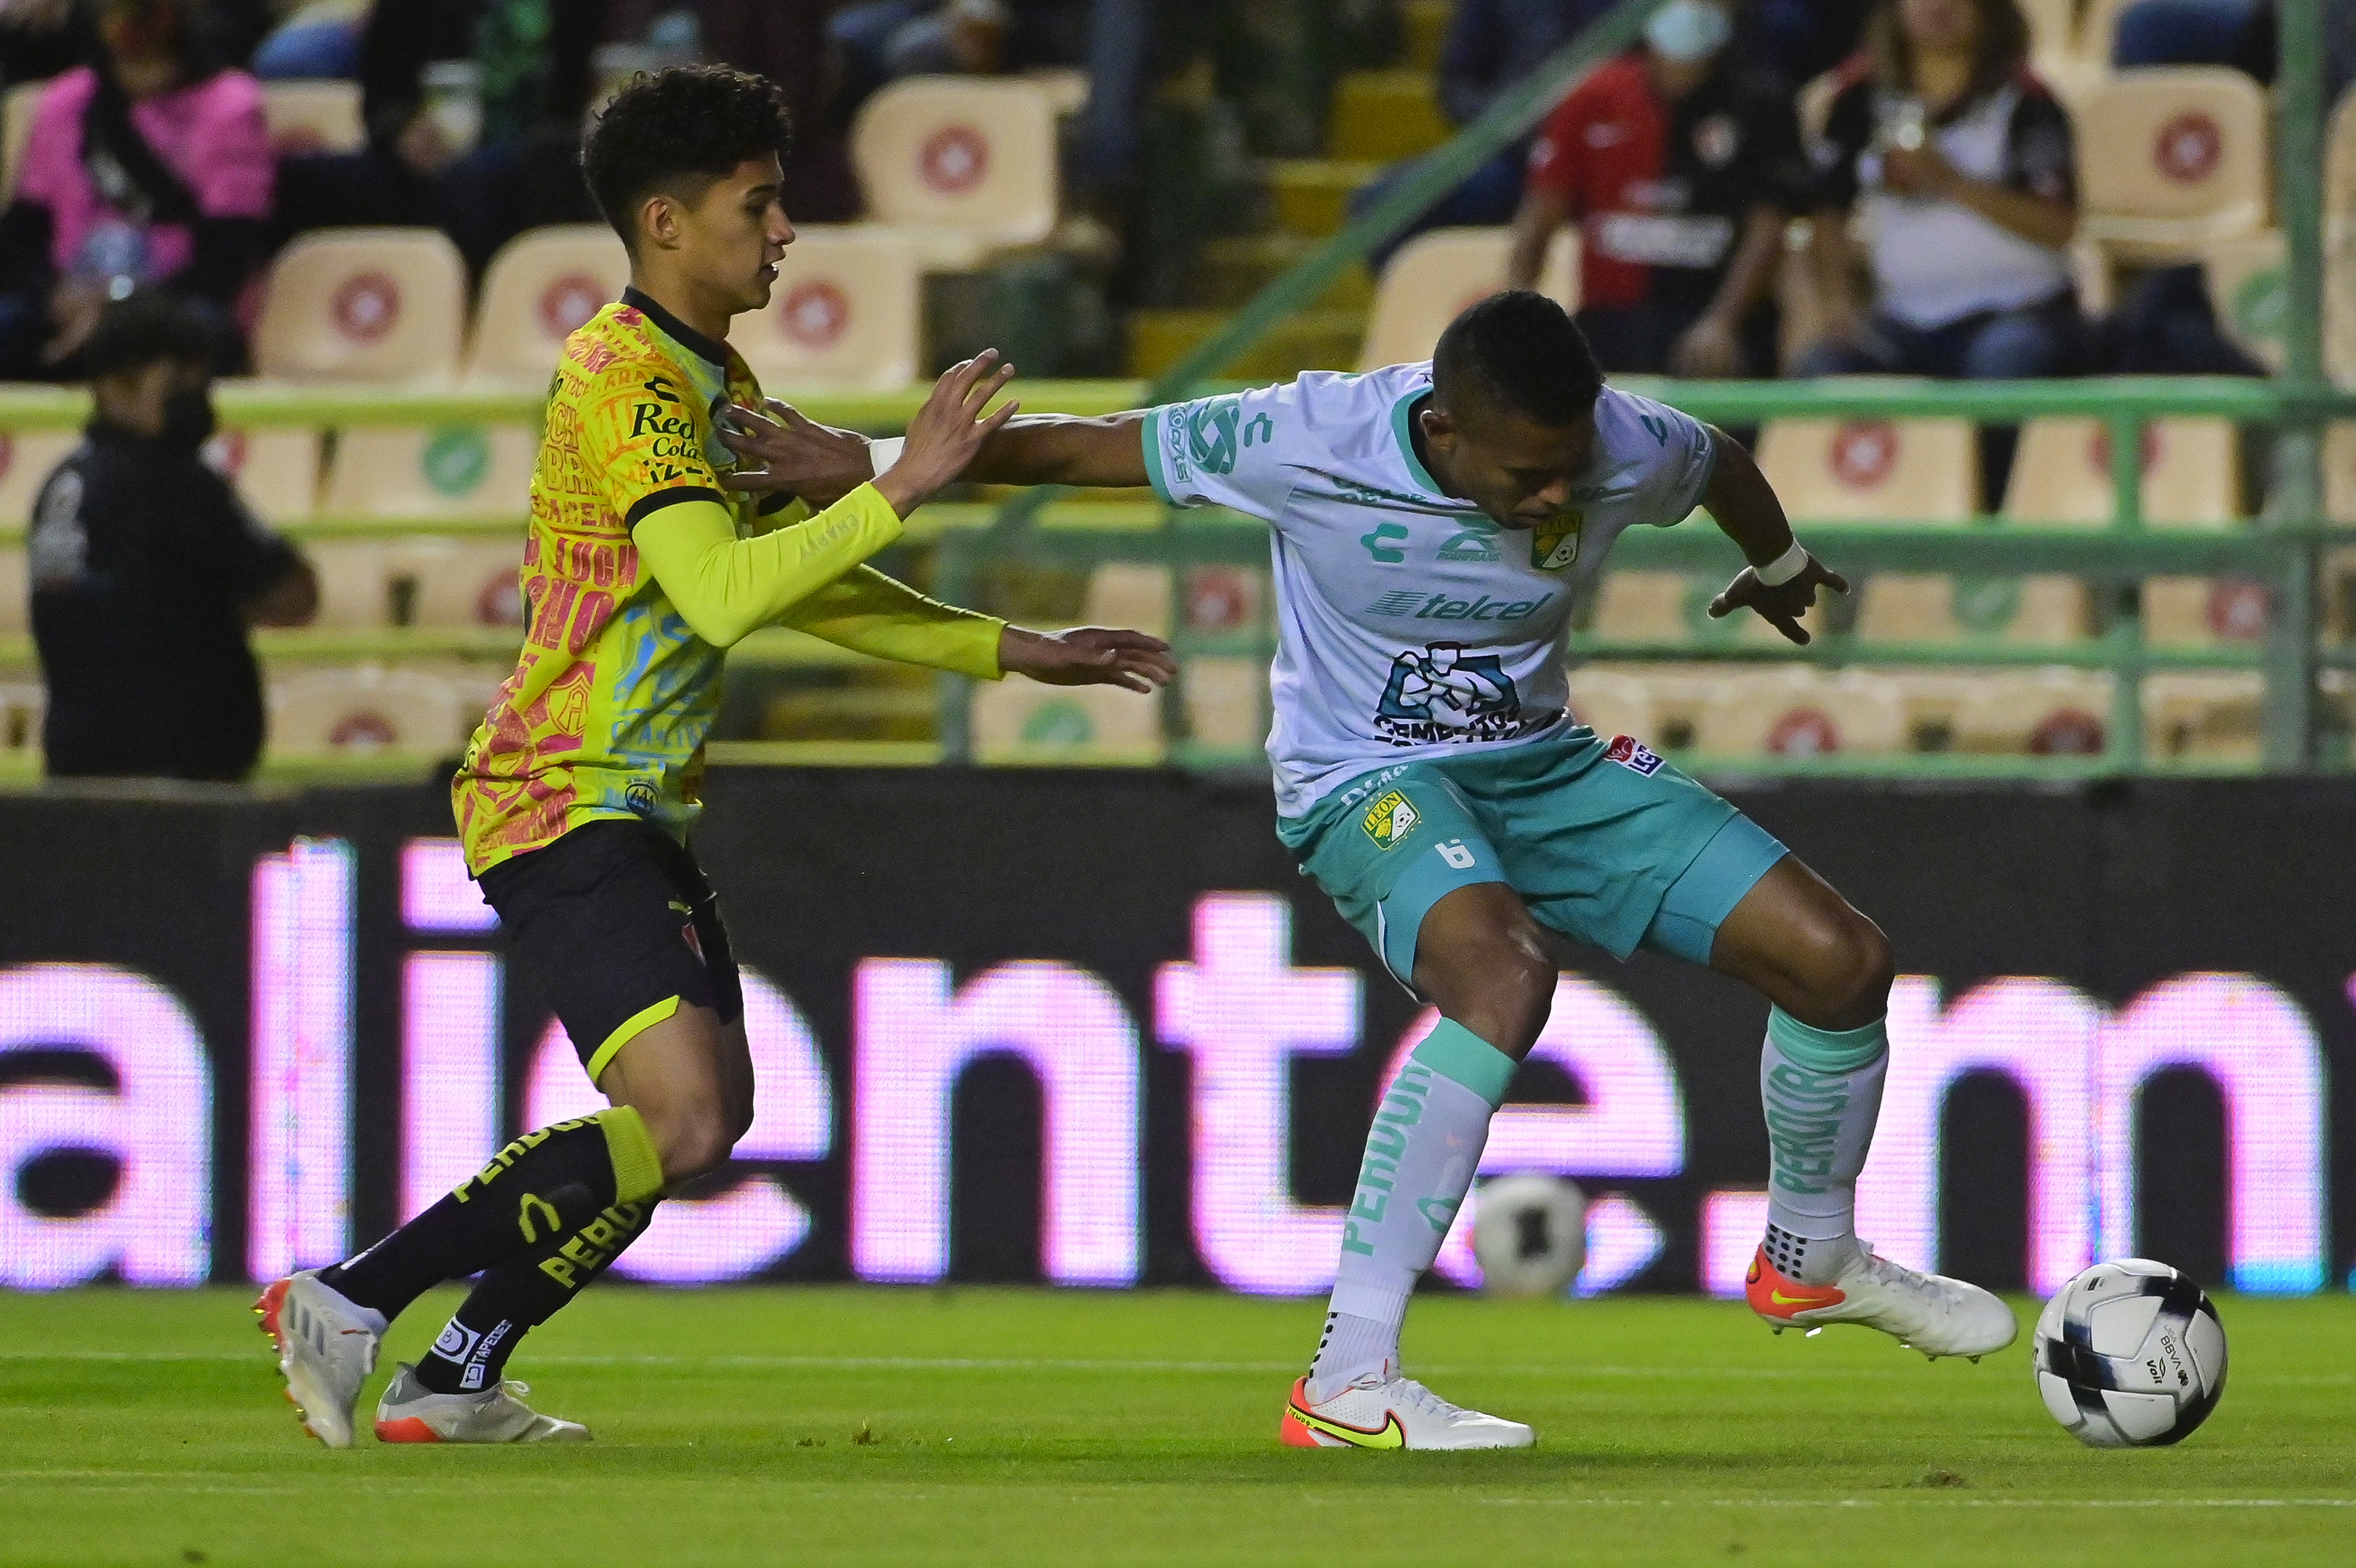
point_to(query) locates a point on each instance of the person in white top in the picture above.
(1432, 526)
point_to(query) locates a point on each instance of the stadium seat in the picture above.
(1435, 276)
(1940, 606)
(22, 703)
(1020, 721)
(1674, 607)
(2181, 160)
(2052, 29)
(2210, 716)
(2250, 293)
(2339, 168)
(367, 708)
(414, 471)
(308, 117)
(1676, 697)
(1794, 711)
(1225, 702)
(16, 106)
(965, 164)
(363, 304)
(2062, 473)
(1611, 700)
(26, 460)
(463, 583)
(15, 606)
(1223, 597)
(355, 585)
(1128, 593)
(1909, 470)
(274, 467)
(539, 288)
(2046, 712)
(846, 311)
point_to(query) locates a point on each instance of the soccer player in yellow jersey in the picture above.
(641, 567)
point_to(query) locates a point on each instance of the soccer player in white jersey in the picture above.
(1433, 525)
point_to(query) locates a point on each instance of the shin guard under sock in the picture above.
(1822, 1093)
(1424, 1146)
(546, 1184)
(471, 1352)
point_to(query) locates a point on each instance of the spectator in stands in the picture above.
(483, 152)
(317, 41)
(147, 569)
(1681, 166)
(39, 38)
(1962, 163)
(149, 167)
(1490, 45)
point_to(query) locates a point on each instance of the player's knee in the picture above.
(1503, 993)
(1853, 968)
(694, 1138)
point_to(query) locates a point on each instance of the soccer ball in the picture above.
(1529, 1233)
(2129, 1355)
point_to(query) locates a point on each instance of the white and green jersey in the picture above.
(1409, 625)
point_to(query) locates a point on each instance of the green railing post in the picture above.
(2297, 501)
(2124, 745)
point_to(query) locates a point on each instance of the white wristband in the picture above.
(1784, 567)
(885, 451)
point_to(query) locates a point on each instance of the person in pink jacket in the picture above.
(150, 166)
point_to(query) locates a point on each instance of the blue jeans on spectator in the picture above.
(309, 51)
(1489, 195)
(2180, 32)
(2028, 344)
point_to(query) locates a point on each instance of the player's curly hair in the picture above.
(1517, 351)
(677, 131)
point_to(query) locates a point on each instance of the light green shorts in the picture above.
(1605, 843)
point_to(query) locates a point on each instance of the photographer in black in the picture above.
(147, 569)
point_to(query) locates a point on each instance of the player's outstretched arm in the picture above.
(784, 450)
(875, 615)
(1781, 582)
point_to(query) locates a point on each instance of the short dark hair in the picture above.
(1517, 351)
(141, 329)
(677, 131)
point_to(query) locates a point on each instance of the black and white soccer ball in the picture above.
(2131, 1353)
(1529, 1233)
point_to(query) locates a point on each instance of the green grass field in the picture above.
(989, 1426)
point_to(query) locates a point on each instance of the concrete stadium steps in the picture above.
(1382, 116)
(1313, 340)
(1311, 197)
(1425, 26)
(1233, 269)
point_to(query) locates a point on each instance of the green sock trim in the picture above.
(638, 1168)
(1827, 1050)
(1459, 1055)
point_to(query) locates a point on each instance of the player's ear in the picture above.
(1436, 422)
(658, 221)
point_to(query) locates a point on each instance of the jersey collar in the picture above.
(678, 331)
(1401, 412)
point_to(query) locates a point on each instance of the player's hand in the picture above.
(1087, 655)
(948, 431)
(1780, 606)
(1917, 171)
(789, 451)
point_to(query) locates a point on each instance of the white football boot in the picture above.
(1383, 1409)
(412, 1413)
(326, 1348)
(1931, 1312)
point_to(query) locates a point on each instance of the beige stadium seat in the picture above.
(1939, 607)
(2202, 612)
(846, 311)
(463, 583)
(2062, 473)
(274, 467)
(2339, 167)
(363, 304)
(26, 460)
(1799, 712)
(1611, 702)
(2052, 29)
(965, 163)
(1225, 700)
(314, 118)
(1020, 721)
(413, 471)
(1902, 471)
(2339, 471)
(1128, 593)
(1223, 597)
(2170, 159)
(540, 287)
(2250, 291)
(1678, 697)
(2045, 713)
(1673, 606)
(15, 605)
(355, 583)
(1436, 275)
(362, 710)
(2211, 717)
(22, 705)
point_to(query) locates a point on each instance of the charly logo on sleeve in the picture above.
(1217, 431)
(1440, 693)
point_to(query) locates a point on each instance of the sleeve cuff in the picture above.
(1150, 432)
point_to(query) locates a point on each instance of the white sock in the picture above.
(1822, 1093)
(1420, 1155)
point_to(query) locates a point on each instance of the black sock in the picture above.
(519, 1296)
(546, 1185)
